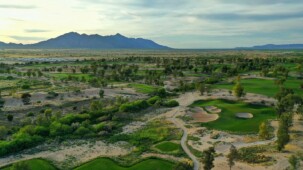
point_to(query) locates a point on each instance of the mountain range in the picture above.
(274, 47)
(75, 40)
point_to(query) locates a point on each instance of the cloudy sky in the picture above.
(176, 23)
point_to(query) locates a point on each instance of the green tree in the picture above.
(264, 132)
(232, 156)
(299, 69)
(208, 158)
(101, 93)
(2, 101)
(48, 113)
(283, 131)
(201, 88)
(26, 98)
(10, 117)
(238, 90)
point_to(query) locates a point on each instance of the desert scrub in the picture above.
(254, 154)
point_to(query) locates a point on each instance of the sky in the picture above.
(175, 23)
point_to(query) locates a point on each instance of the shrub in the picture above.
(153, 100)
(71, 118)
(170, 103)
(134, 106)
(1, 102)
(99, 127)
(30, 114)
(25, 86)
(41, 131)
(58, 129)
(52, 95)
(18, 143)
(82, 131)
(252, 155)
(10, 117)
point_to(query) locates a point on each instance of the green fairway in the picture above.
(265, 87)
(107, 164)
(143, 88)
(168, 147)
(229, 122)
(37, 164)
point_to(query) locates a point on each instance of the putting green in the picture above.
(229, 122)
(265, 87)
(108, 164)
(143, 88)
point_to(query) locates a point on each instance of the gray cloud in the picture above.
(259, 2)
(26, 38)
(36, 30)
(18, 6)
(229, 17)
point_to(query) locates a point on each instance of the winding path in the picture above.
(184, 138)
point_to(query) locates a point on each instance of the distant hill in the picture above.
(75, 40)
(275, 47)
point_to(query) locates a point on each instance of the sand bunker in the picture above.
(202, 116)
(244, 115)
(212, 109)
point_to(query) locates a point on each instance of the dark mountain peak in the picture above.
(70, 34)
(119, 35)
(74, 40)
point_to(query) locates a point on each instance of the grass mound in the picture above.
(36, 164)
(108, 164)
(229, 122)
(168, 147)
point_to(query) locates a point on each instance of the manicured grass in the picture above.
(168, 147)
(37, 164)
(265, 87)
(107, 164)
(143, 88)
(229, 122)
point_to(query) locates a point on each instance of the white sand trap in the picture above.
(212, 109)
(244, 115)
